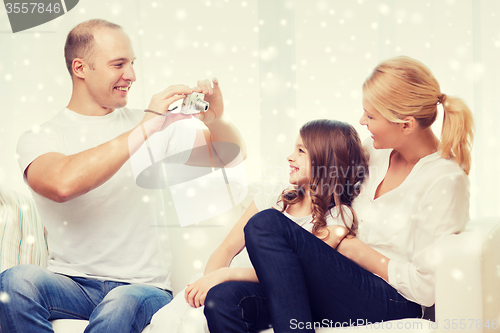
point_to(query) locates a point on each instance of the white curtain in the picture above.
(280, 63)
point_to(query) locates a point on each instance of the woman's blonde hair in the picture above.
(402, 87)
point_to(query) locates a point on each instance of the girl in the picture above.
(327, 166)
(416, 193)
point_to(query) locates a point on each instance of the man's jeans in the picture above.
(303, 281)
(32, 296)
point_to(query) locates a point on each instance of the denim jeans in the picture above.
(35, 296)
(302, 282)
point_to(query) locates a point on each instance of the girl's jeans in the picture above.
(303, 283)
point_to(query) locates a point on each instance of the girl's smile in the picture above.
(300, 164)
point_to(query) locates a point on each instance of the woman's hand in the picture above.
(196, 292)
(334, 235)
(365, 256)
(343, 246)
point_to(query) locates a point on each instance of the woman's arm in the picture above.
(334, 235)
(217, 270)
(443, 210)
(364, 256)
(335, 230)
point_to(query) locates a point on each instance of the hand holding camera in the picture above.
(194, 103)
(204, 97)
(213, 96)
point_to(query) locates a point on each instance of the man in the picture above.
(106, 263)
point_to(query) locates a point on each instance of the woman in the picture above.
(416, 193)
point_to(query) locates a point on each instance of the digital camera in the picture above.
(194, 103)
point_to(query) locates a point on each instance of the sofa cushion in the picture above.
(22, 235)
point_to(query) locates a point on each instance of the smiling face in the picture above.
(384, 133)
(109, 78)
(300, 164)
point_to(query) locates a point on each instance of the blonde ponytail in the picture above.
(457, 132)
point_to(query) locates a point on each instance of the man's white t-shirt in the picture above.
(117, 231)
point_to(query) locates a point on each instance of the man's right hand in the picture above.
(160, 103)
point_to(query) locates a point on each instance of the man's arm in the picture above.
(61, 178)
(220, 129)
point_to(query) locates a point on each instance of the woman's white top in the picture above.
(405, 223)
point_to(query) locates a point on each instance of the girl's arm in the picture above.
(217, 269)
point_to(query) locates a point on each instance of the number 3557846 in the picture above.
(32, 7)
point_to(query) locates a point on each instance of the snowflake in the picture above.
(457, 274)
(384, 9)
(4, 297)
(281, 138)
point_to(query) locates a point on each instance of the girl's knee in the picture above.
(220, 297)
(213, 300)
(266, 222)
(263, 220)
(215, 295)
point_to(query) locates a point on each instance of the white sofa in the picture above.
(467, 279)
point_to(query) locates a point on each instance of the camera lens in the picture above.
(201, 105)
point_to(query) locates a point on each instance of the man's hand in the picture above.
(160, 103)
(213, 95)
(196, 292)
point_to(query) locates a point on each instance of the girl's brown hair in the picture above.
(402, 86)
(338, 166)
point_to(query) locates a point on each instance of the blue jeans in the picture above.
(36, 296)
(303, 281)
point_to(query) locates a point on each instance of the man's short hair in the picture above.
(80, 41)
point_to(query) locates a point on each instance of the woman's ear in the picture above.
(409, 125)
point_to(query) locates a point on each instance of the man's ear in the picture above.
(78, 67)
(409, 125)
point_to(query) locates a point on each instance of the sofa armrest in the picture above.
(467, 277)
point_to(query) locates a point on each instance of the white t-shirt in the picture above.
(267, 200)
(405, 223)
(117, 231)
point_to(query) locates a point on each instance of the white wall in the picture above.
(329, 48)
